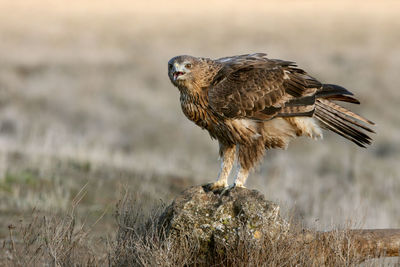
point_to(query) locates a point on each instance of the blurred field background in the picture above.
(85, 100)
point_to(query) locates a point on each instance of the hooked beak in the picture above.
(178, 71)
(177, 74)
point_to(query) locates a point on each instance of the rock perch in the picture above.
(221, 220)
(222, 224)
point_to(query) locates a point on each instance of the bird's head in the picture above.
(183, 70)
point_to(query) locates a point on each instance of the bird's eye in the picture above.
(169, 66)
(188, 65)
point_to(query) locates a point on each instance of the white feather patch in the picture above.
(308, 127)
(285, 75)
(248, 125)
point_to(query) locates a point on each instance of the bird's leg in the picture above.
(241, 176)
(240, 179)
(227, 154)
(248, 157)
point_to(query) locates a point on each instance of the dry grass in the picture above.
(84, 98)
(51, 240)
(141, 241)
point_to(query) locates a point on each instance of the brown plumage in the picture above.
(250, 103)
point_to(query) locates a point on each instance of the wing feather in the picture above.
(253, 86)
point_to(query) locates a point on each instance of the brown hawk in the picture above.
(250, 103)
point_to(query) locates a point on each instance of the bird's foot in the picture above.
(229, 188)
(217, 186)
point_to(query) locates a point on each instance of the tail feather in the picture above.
(329, 126)
(337, 93)
(332, 90)
(339, 119)
(344, 98)
(344, 114)
(343, 125)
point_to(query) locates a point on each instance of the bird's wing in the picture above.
(255, 87)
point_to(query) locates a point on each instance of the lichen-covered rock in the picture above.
(221, 220)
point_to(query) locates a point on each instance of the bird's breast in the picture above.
(196, 112)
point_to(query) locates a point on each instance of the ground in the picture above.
(85, 100)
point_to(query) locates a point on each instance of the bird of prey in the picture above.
(251, 103)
